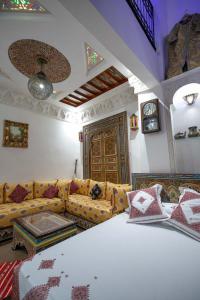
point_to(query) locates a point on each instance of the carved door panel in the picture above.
(105, 150)
(111, 163)
(103, 156)
(96, 158)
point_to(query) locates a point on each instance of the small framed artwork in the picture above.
(15, 134)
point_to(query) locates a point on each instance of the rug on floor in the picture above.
(6, 278)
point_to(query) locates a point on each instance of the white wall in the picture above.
(53, 148)
(147, 153)
(184, 116)
(125, 24)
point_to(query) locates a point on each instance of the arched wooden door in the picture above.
(105, 154)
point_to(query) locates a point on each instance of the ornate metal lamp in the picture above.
(191, 98)
(39, 86)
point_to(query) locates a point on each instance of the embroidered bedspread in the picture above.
(114, 261)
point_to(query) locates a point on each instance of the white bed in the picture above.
(119, 261)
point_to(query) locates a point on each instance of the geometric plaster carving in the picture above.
(123, 96)
(110, 104)
(41, 107)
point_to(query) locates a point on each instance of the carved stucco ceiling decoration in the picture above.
(110, 104)
(41, 107)
(24, 55)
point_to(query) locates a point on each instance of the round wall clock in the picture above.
(149, 109)
(150, 116)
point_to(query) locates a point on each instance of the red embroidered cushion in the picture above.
(19, 193)
(73, 187)
(51, 192)
(145, 205)
(186, 216)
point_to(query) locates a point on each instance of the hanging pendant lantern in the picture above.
(39, 86)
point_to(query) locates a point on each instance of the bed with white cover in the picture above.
(115, 260)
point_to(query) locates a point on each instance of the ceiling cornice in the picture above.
(109, 104)
(41, 107)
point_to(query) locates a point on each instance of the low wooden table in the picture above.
(38, 231)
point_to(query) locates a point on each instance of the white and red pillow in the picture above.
(145, 205)
(186, 216)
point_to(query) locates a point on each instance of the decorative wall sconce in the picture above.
(191, 98)
(80, 134)
(134, 122)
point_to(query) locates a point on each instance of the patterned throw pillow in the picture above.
(145, 205)
(19, 193)
(51, 192)
(186, 216)
(96, 192)
(73, 187)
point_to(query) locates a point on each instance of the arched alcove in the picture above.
(183, 116)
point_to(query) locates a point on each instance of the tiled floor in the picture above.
(7, 254)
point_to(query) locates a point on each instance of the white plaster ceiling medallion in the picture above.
(93, 58)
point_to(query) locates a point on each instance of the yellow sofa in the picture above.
(112, 200)
(34, 201)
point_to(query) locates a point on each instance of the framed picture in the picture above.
(15, 134)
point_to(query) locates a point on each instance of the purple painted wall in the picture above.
(119, 15)
(176, 10)
(167, 12)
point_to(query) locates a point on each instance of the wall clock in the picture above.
(150, 116)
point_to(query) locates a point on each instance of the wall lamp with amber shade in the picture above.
(191, 98)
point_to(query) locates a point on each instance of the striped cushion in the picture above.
(6, 278)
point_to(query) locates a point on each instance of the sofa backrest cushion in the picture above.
(10, 187)
(110, 186)
(41, 186)
(2, 192)
(120, 199)
(102, 186)
(83, 186)
(63, 188)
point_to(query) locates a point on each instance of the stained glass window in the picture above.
(92, 57)
(21, 6)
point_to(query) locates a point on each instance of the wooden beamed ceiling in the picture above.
(105, 81)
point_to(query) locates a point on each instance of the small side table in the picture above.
(23, 238)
